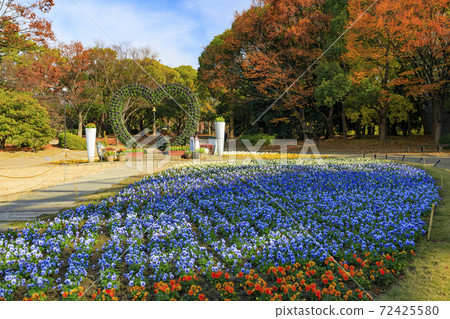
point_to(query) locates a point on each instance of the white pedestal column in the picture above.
(91, 134)
(220, 137)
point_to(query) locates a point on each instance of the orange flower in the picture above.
(201, 297)
(360, 295)
(345, 266)
(318, 294)
(325, 280)
(249, 292)
(227, 276)
(65, 294)
(382, 271)
(307, 287)
(279, 280)
(190, 292)
(258, 287)
(359, 260)
(230, 290)
(240, 274)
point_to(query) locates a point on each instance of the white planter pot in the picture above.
(220, 143)
(220, 138)
(220, 130)
(91, 134)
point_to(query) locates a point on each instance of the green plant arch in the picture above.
(153, 97)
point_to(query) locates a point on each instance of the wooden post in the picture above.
(431, 221)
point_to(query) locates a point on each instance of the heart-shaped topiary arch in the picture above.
(153, 97)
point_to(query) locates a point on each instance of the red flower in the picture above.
(325, 280)
(258, 287)
(240, 274)
(279, 280)
(382, 271)
(318, 294)
(307, 287)
(65, 294)
(227, 276)
(201, 297)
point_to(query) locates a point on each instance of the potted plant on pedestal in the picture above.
(199, 153)
(122, 154)
(109, 154)
(91, 132)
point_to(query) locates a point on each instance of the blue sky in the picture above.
(177, 30)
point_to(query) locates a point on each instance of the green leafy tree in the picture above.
(23, 121)
(332, 87)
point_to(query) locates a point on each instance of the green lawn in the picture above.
(428, 277)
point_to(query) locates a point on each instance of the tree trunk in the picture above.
(437, 121)
(344, 123)
(231, 126)
(383, 125)
(80, 124)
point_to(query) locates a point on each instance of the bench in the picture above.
(439, 147)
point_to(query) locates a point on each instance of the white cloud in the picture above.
(177, 32)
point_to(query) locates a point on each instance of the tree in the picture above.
(23, 121)
(21, 27)
(265, 51)
(332, 86)
(395, 31)
(77, 75)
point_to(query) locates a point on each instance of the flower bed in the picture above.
(212, 233)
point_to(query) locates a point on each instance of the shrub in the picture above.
(74, 142)
(23, 121)
(180, 148)
(445, 139)
(256, 137)
(219, 119)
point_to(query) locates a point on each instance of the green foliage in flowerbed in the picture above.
(255, 138)
(137, 150)
(74, 142)
(219, 119)
(180, 148)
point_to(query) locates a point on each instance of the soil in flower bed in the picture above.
(229, 231)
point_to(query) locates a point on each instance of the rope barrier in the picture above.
(23, 177)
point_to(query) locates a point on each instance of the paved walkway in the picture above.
(54, 199)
